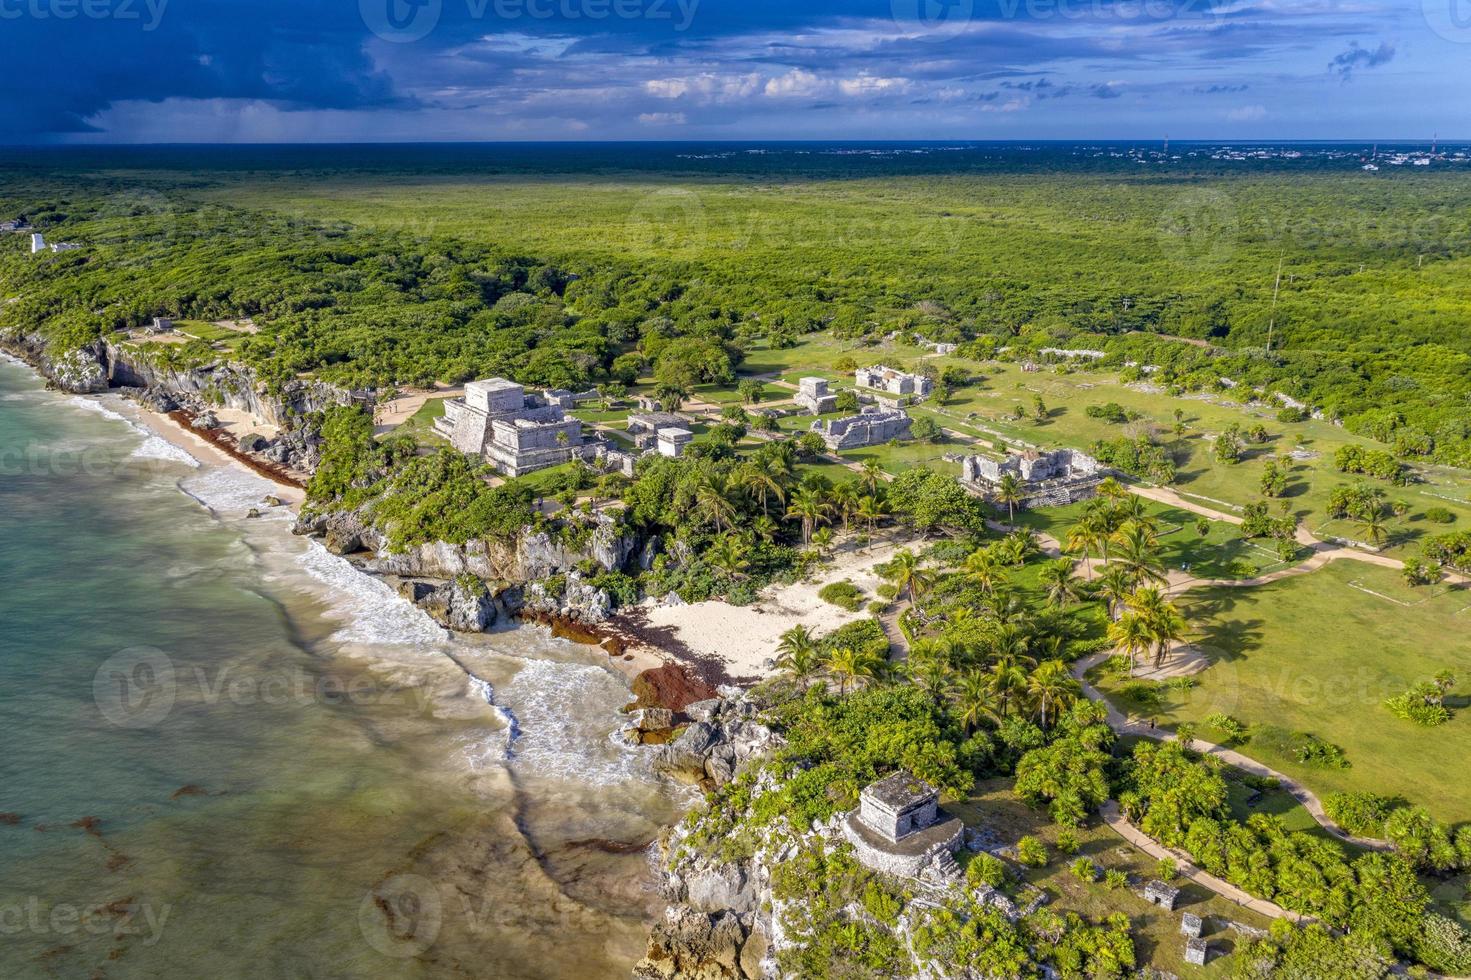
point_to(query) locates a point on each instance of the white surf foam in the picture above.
(230, 492)
(497, 747)
(93, 405)
(564, 712)
(157, 447)
(370, 610)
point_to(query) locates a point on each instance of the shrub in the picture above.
(986, 869)
(1443, 945)
(1362, 814)
(1114, 879)
(1167, 869)
(1440, 515)
(1111, 412)
(1067, 841)
(1084, 871)
(1233, 732)
(1290, 415)
(1313, 751)
(1031, 852)
(1143, 693)
(844, 594)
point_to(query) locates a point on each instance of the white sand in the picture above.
(744, 638)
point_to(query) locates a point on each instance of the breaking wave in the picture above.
(373, 613)
(564, 712)
(157, 447)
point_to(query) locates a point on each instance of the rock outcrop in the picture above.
(464, 605)
(724, 738)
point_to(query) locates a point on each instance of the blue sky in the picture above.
(370, 70)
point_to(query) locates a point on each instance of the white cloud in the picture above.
(662, 118)
(1247, 113)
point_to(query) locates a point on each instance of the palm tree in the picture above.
(870, 510)
(808, 505)
(1009, 492)
(1138, 553)
(729, 552)
(764, 484)
(1112, 489)
(1372, 527)
(982, 568)
(1130, 635)
(909, 576)
(971, 695)
(1113, 586)
(1062, 583)
(1051, 684)
(764, 528)
(671, 397)
(845, 501)
(714, 504)
(1083, 537)
(797, 653)
(1162, 620)
(849, 665)
(871, 475)
(1004, 681)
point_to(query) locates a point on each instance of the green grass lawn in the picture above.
(1319, 653)
(1221, 553)
(1157, 939)
(420, 425)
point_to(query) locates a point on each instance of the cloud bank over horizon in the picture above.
(406, 70)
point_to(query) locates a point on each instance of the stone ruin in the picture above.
(515, 432)
(1191, 925)
(1197, 951)
(870, 427)
(1161, 894)
(813, 395)
(1050, 479)
(880, 378)
(898, 827)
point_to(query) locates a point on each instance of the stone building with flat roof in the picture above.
(898, 827)
(880, 378)
(870, 427)
(1048, 479)
(813, 395)
(515, 432)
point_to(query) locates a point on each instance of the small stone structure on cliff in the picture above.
(1063, 476)
(898, 827)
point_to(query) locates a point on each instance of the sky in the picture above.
(151, 71)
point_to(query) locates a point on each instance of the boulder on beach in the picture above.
(204, 421)
(671, 686)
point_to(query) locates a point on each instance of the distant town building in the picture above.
(38, 243)
(880, 378)
(14, 224)
(898, 827)
(161, 324)
(514, 432)
(671, 442)
(870, 427)
(1050, 479)
(813, 395)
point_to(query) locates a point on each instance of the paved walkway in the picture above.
(1124, 725)
(1116, 822)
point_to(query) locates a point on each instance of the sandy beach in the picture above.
(742, 640)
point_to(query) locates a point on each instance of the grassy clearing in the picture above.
(420, 425)
(1221, 553)
(1157, 938)
(1319, 653)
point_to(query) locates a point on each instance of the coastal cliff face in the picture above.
(532, 574)
(718, 923)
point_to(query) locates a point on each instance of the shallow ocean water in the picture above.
(226, 753)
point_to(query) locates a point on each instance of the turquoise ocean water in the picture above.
(226, 754)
